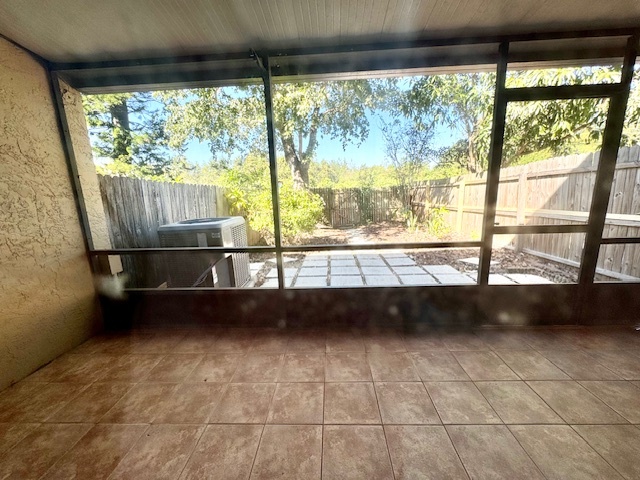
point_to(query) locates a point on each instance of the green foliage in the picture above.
(129, 129)
(464, 103)
(407, 149)
(436, 223)
(231, 119)
(248, 191)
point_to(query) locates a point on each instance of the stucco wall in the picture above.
(47, 299)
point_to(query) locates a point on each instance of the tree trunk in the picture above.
(299, 170)
(121, 130)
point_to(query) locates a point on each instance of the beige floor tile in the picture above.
(625, 363)
(350, 403)
(504, 339)
(561, 453)
(174, 368)
(190, 403)
(297, 403)
(216, 368)
(549, 339)
(463, 342)
(579, 365)
(353, 452)
(244, 403)
(234, 341)
(491, 451)
(54, 369)
(516, 403)
(530, 365)
(386, 341)
(623, 397)
(91, 403)
(617, 444)
(12, 397)
(270, 342)
(201, 342)
(12, 433)
(140, 404)
(131, 368)
(258, 368)
(302, 367)
(438, 367)
(461, 403)
(289, 452)
(225, 452)
(340, 342)
(42, 402)
(97, 454)
(483, 365)
(347, 367)
(422, 453)
(74, 368)
(312, 341)
(574, 403)
(392, 367)
(40, 449)
(405, 403)
(160, 453)
(420, 341)
(98, 343)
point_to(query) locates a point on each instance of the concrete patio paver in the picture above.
(343, 263)
(313, 272)
(400, 261)
(380, 269)
(453, 279)
(423, 279)
(381, 280)
(346, 281)
(311, 282)
(376, 270)
(440, 269)
(344, 270)
(413, 270)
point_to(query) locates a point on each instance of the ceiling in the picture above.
(82, 30)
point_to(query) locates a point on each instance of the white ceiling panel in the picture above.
(79, 30)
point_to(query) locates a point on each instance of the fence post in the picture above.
(522, 203)
(460, 209)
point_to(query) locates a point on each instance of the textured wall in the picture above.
(86, 169)
(47, 298)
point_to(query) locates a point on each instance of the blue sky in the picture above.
(368, 153)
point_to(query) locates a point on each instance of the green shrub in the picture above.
(248, 191)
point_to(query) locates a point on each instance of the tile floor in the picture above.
(352, 404)
(375, 268)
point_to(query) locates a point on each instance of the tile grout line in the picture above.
(526, 452)
(133, 444)
(384, 433)
(595, 450)
(193, 450)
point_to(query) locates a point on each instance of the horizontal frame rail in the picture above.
(619, 240)
(288, 249)
(533, 229)
(563, 92)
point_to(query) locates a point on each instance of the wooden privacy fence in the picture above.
(550, 192)
(135, 208)
(356, 206)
